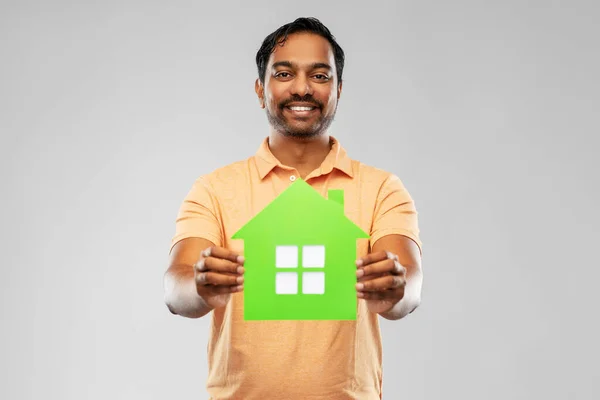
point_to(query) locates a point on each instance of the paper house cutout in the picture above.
(300, 253)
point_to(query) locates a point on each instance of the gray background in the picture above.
(486, 110)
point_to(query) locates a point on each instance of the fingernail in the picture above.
(240, 259)
(359, 263)
(360, 294)
(206, 253)
(360, 273)
(240, 288)
(240, 279)
(360, 286)
(240, 270)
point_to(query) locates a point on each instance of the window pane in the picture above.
(313, 256)
(286, 283)
(286, 256)
(313, 282)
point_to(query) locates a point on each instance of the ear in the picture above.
(260, 92)
(339, 90)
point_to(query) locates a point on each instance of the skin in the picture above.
(390, 277)
(297, 72)
(196, 285)
(302, 71)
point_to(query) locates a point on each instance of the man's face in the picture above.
(301, 90)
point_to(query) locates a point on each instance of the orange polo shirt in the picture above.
(307, 360)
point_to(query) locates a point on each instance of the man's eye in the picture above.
(282, 75)
(321, 76)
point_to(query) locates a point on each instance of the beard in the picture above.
(304, 131)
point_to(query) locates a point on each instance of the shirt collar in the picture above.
(337, 158)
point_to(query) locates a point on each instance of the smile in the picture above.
(301, 108)
(302, 111)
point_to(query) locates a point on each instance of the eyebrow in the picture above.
(288, 64)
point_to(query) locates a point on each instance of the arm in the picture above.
(410, 258)
(392, 288)
(181, 296)
(197, 228)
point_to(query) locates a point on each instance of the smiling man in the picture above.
(299, 85)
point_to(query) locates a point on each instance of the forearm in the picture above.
(411, 299)
(181, 296)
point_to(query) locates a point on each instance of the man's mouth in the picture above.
(304, 110)
(301, 108)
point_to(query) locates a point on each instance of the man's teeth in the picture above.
(298, 108)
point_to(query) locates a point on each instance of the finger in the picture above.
(219, 252)
(225, 289)
(369, 277)
(385, 266)
(386, 282)
(213, 278)
(218, 265)
(394, 294)
(375, 258)
(399, 269)
(200, 266)
(381, 268)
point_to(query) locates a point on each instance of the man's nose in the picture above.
(301, 85)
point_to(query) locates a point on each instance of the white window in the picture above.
(286, 257)
(286, 283)
(313, 282)
(313, 256)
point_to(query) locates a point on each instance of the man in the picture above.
(299, 84)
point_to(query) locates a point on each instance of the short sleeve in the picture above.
(198, 215)
(395, 212)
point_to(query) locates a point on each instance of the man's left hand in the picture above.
(381, 280)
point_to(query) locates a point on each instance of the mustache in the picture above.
(303, 99)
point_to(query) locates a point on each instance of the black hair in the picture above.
(309, 24)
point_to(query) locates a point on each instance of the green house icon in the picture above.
(300, 254)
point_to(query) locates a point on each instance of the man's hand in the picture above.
(381, 280)
(217, 274)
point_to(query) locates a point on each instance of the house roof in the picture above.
(300, 211)
(337, 158)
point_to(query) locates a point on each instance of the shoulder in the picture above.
(224, 179)
(375, 176)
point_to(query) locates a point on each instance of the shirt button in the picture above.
(292, 178)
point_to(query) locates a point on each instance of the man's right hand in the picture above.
(218, 273)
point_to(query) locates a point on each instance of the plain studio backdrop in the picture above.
(487, 111)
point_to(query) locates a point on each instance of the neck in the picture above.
(305, 155)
